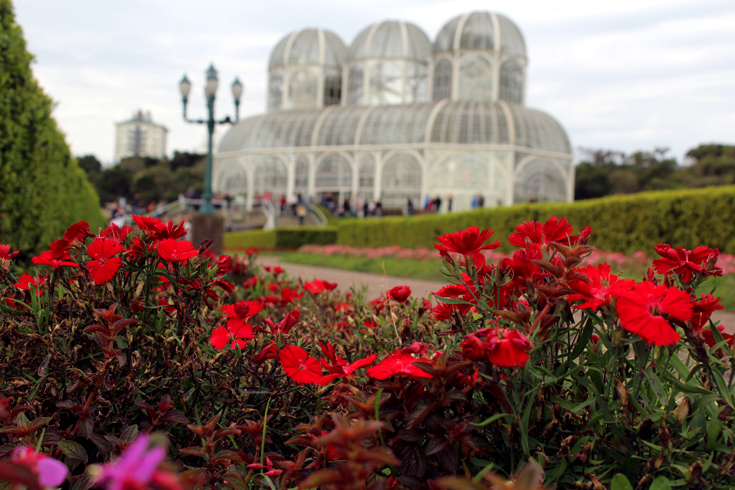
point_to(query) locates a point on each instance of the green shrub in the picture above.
(287, 238)
(263, 240)
(42, 190)
(686, 218)
(292, 238)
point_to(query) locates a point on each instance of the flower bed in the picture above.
(134, 360)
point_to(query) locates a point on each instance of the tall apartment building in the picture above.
(140, 137)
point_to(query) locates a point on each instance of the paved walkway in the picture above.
(378, 284)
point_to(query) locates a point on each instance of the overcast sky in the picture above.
(621, 75)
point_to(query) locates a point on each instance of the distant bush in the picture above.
(686, 218)
(42, 190)
(286, 238)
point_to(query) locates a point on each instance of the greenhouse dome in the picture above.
(386, 140)
(305, 70)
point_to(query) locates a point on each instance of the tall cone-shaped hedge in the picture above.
(42, 190)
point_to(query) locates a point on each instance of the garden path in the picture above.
(378, 284)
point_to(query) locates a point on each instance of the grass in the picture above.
(429, 270)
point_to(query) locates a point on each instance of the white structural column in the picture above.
(250, 172)
(355, 162)
(378, 189)
(290, 175)
(511, 178)
(312, 175)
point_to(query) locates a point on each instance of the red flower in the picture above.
(250, 283)
(399, 293)
(338, 367)
(172, 250)
(57, 256)
(642, 308)
(6, 255)
(602, 288)
(289, 295)
(398, 363)
(169, 230)
(299, 366)
(685, 263)
(379, 303)
(709, 336)
(105, 265)
(77, 232)
(224, 262)
(466, 242)
(25, 281)
(444, 311)
(554, 230)
(238, 313)
(275, 270)
(507, 348)
(119, 234)
(343, 306)
(238, 333)
(148, 224)
(282, 327)
(703, 310)
(318, 286)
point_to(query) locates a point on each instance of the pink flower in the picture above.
(51, 473)
(135, 468)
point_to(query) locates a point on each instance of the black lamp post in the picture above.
(210, 91)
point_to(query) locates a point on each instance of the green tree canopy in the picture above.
(42, 189)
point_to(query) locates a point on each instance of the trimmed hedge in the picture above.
(686, 218)
(42, 190)
(285, 238)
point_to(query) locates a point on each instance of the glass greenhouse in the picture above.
(394, 117)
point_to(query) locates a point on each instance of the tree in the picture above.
(43, 189)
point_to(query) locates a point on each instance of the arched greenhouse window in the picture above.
(540, 181)
(366, 178)
(464, 176)
(334, 174)
(443, 79)
(332, 88)
(475, 78)
(355, 85)
(511, 82)
(232, 179)
(301, 176)
(275, 90)
(270, 175)
(302, 89)
(401, 180)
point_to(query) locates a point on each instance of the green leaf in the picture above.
(452, 301)
(661, 483)
(74, 450)
(620, 482)
(492, 419)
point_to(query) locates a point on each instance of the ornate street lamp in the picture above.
(210, 90)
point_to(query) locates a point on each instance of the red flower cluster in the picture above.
(686, 263)
(237, 329)
(500, 346)
(466, 242)
(318, 286)
(398, 363)
(601, 288)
